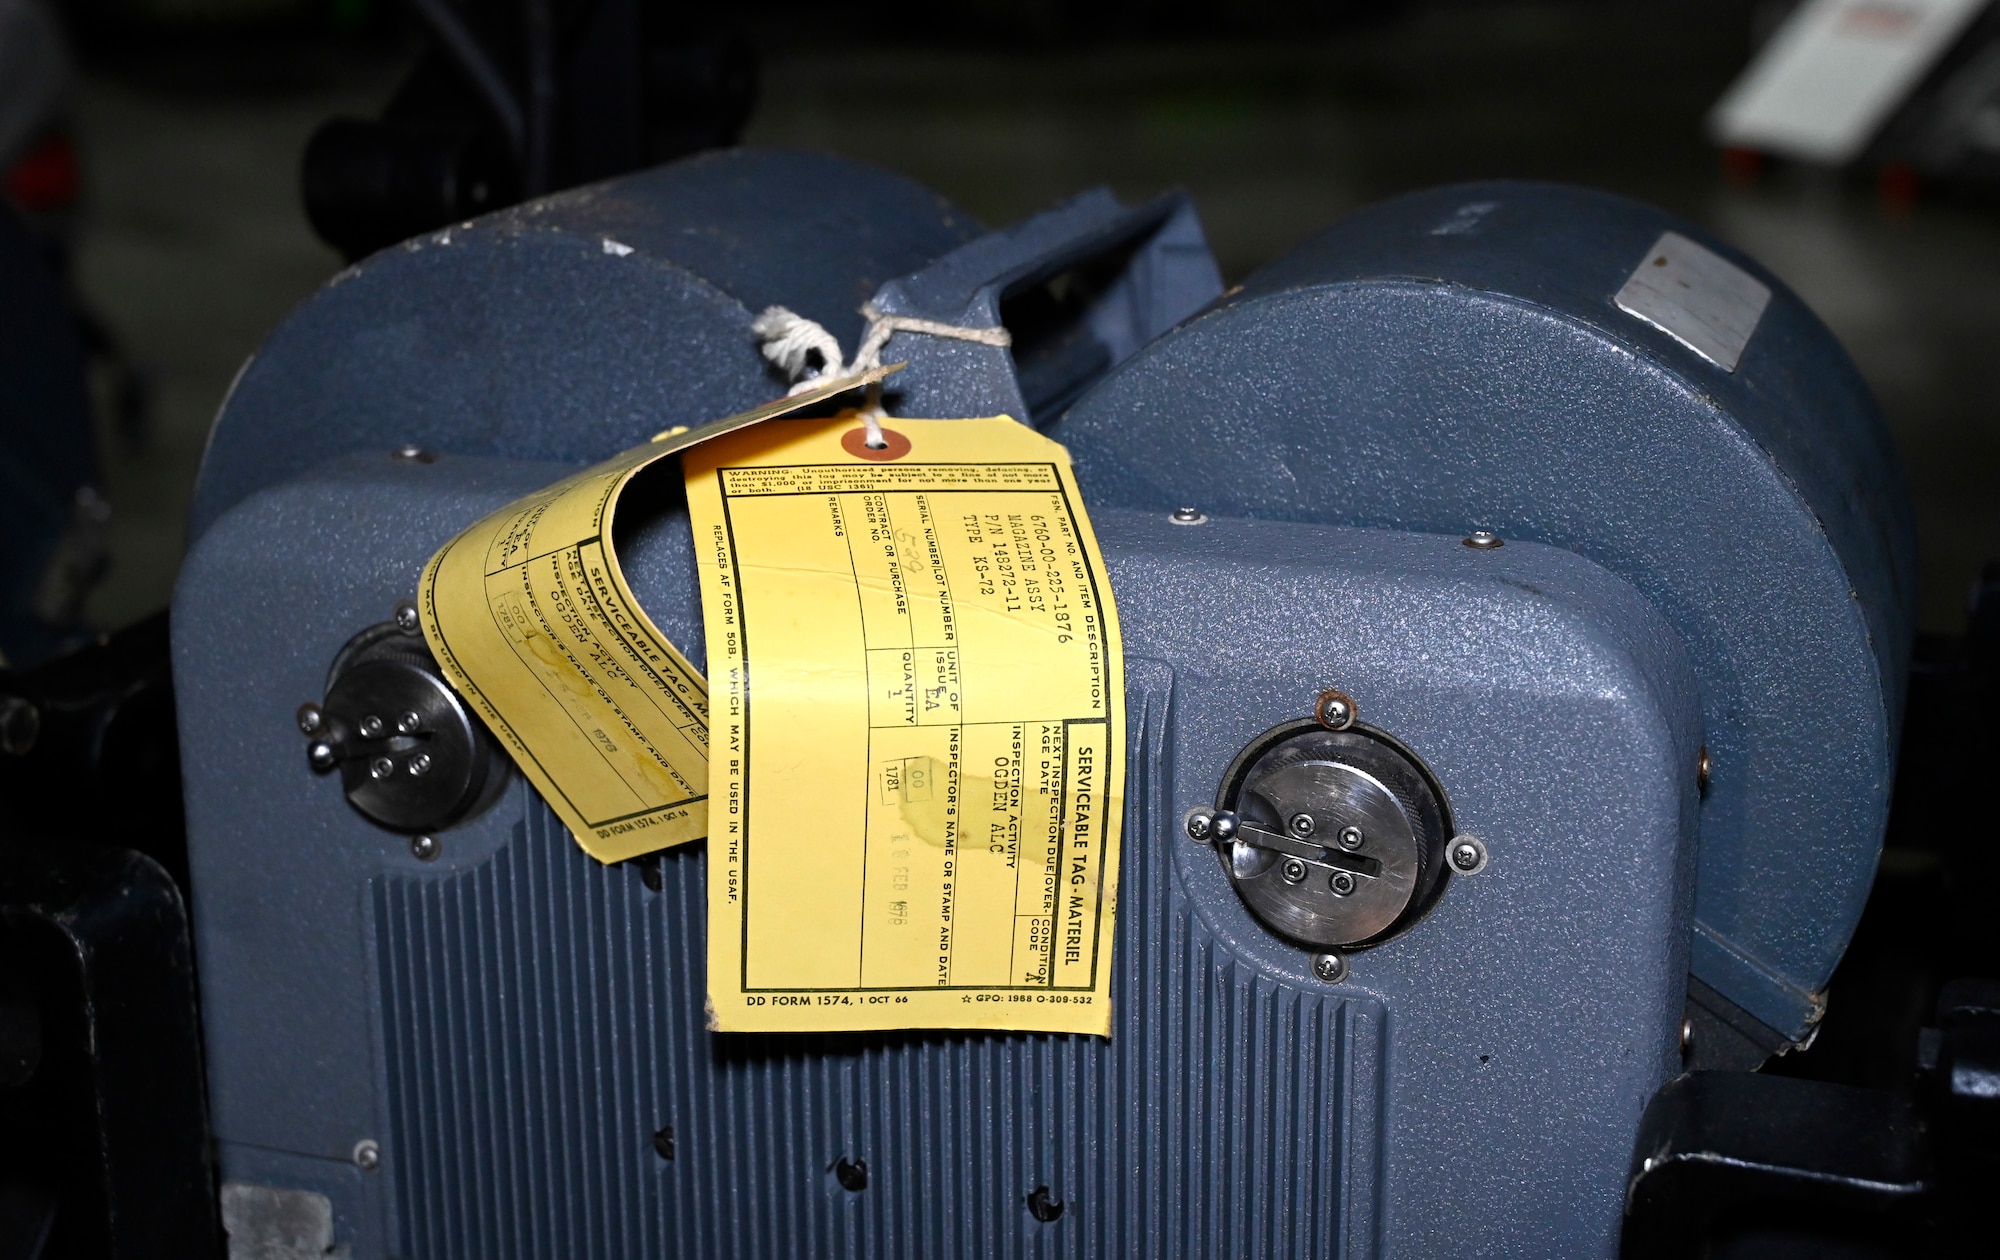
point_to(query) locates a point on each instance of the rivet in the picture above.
(1043, 1206)
(1484, 540)
(852, 1174)
(414, 454)
(321, 757)
(1186, 516)
(1701, 771)
(1467, 854)
(1335, 710)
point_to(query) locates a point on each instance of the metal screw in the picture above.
(1336, 710)
(1294, 871)
(425, 848)
(1188, 516)
(1701, 771)
(414, 453)
(1350, 837)
(406, 618)
(1043, 1206)
(381, 768)
(20, 726)
(367, 1155)
(1342, 883)
(1223, 826)
(371, 727)
(410, 723)
(1687, 1034)
(420, 764)
(1331, 968)
(1200, 825)
(1302, 824)
(1484, 540)
(321, 756)
(1468, 855)
(311, 719)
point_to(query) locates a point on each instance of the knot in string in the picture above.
(792, 342)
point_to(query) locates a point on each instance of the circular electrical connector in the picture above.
(411, 755)
(1334, 838)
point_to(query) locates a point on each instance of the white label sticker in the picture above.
(1697, 297)
(1465, 220)
(1834, 73)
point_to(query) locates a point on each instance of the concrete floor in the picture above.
(194, 245)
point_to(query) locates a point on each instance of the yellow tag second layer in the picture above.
(529, 616)
(918, 730)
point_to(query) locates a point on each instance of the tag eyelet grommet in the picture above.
(855, 443)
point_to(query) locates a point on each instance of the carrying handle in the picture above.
(1136, 272)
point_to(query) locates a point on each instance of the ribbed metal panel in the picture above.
(543, 1017)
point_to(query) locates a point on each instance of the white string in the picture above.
(882, 327)
(871, 418)
(790, 340)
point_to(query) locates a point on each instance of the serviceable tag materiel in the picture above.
(530, 618)
(919, 717)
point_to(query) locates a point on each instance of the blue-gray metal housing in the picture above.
(1130, 275)
(1453, 360)
(513, 1023)
(519, 1029)
(574, 326)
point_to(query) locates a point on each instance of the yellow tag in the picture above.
(919, 730)
(530, 618)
